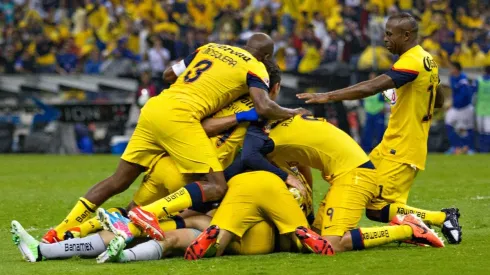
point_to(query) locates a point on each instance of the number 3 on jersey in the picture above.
(195, 72)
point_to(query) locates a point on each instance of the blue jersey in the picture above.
(462, 92)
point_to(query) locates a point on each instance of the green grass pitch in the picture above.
(39, 191)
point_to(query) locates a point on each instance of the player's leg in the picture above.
(455, 141)
(176, 242)
(139, 153)
(467, 121)
(34, 251)
(343, 206)
(193, 153)
(125, 174)
(484, 131)
(394, 182)
(89, 227)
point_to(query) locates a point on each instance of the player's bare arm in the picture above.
(213, 126)
(169, 75)
(361, 90)
(439, 98)
(269, 109)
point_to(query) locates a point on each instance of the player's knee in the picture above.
(374, 215)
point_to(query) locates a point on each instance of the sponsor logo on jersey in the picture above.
(429, 64)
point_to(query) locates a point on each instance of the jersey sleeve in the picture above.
(404, 71)
(258, 77)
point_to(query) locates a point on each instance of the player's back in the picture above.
(316, 143)
(216, 76)
(405, 139)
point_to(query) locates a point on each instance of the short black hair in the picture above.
(273, 71)
(457, 65)
(487, 69)
(402, 16)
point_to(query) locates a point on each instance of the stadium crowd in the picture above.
(118, 37)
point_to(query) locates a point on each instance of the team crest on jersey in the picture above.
(390, 96)
(429, 64)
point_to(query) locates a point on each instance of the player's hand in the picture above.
(294, 182)
(250, 115)
(314, 98)
(303, 111)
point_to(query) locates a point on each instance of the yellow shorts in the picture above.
(167, 125)
(255, 197)
(259, 239)
(344, 204)
(394, 181)
(161, 179)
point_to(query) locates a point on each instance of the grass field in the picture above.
(39, 191)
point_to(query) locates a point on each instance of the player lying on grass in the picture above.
(205, 82)
(95, 244)
(252, 214)
(403, 150)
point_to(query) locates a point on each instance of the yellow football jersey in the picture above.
(216, 75)
(228, 142)
(316, 143)
(416, 77)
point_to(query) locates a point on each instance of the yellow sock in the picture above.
(376, 236)
(80, 213)
(175, 202)
(93, 225)
(136, 231)
(172, 223)
(429, 217)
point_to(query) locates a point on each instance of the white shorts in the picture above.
(461, 119)
(483, 124)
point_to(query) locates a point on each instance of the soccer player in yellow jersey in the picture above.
(206, 81)
(344, 164)
(403, 150)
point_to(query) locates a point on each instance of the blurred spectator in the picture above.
(8, 61)
(93, 63)
(333, 50)
(25, 63)
(483, 110)
(66, 60)
(374, 128)
(159, 57)
(338, 30)
(45, 52)
(7, 9)
(146, 89)
(460, 117)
